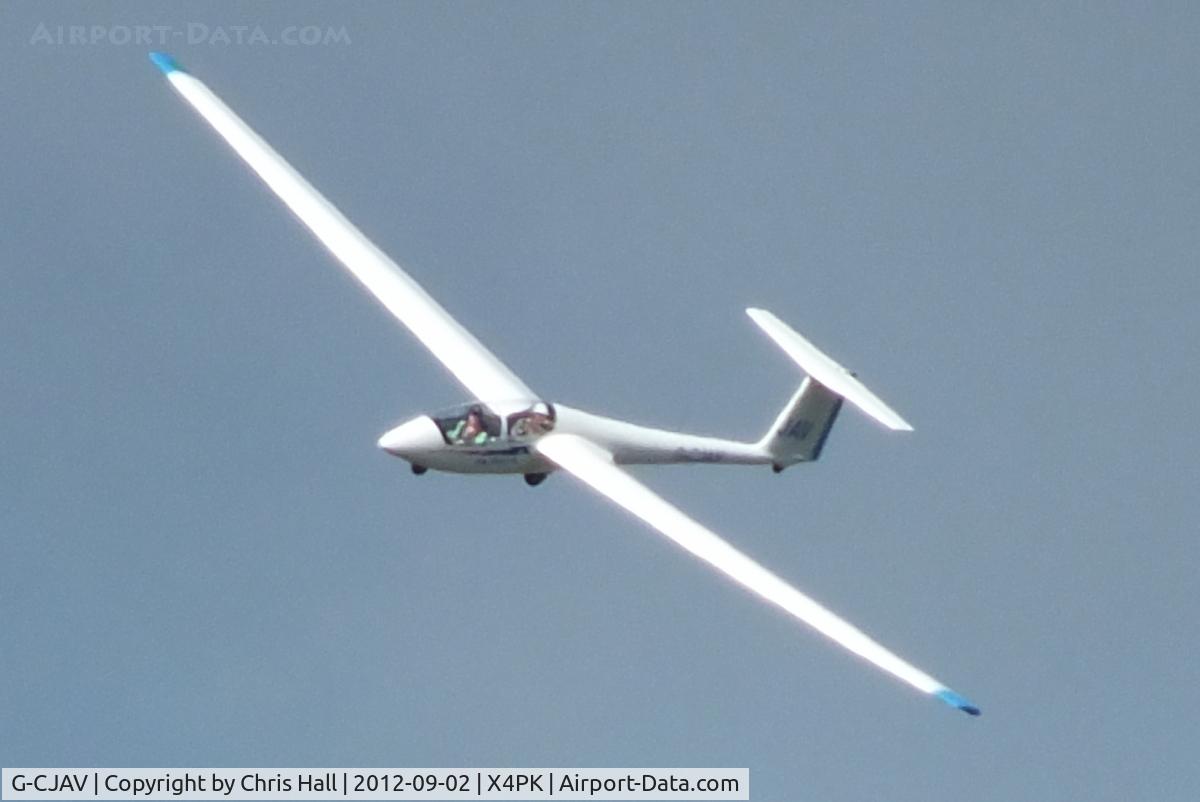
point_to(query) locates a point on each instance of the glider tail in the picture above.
(799, 433)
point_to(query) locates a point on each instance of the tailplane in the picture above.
(799, 433)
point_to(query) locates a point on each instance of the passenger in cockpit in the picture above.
(533, 422)
(539, 423)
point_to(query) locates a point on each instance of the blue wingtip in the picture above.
(165, 63)
(954, 700)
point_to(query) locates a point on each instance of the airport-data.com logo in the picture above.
(192, 33)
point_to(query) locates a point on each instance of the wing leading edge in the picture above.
(594, 467)
(475, 367)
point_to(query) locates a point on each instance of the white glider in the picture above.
(510, 429)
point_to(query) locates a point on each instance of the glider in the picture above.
(511, 429)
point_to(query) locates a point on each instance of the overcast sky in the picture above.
(988, 211)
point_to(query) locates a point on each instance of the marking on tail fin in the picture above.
(798, 430)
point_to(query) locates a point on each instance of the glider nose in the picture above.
(419, 435)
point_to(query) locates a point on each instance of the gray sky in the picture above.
(988, 212)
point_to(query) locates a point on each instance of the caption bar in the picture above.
(362, 784)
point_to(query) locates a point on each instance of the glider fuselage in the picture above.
(472, 439)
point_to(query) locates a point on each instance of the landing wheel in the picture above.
(534, 479)
(777, 467)
(418, 469)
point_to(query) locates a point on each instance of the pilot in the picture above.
(474, 432)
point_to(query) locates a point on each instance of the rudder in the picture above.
(800, 431)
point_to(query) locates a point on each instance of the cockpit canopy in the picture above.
(476, 424)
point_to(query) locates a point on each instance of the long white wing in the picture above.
(484, 376)
(594, 466)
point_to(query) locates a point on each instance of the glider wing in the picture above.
(475, 367)
(594, 466)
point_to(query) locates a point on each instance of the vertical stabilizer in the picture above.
(799, 433)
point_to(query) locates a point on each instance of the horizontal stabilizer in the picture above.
(824, 370)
